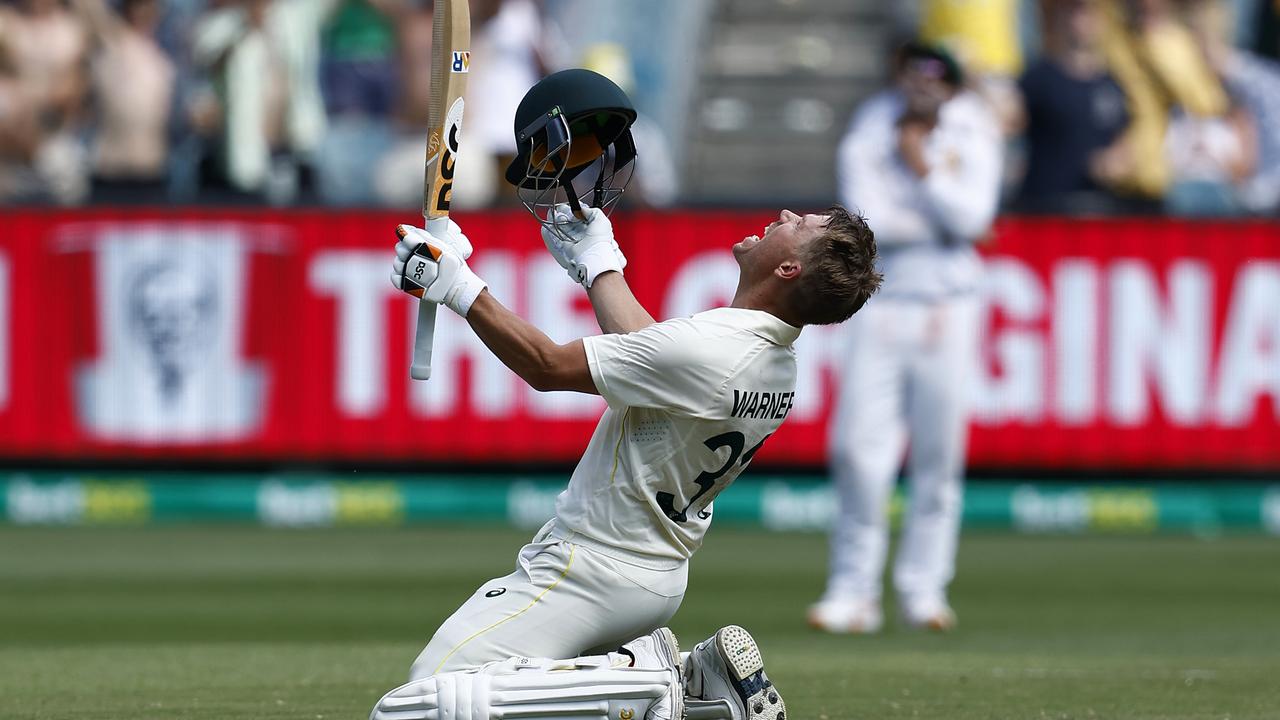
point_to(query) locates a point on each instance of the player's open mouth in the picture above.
(749, 242)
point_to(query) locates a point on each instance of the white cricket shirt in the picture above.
(690, 401)
(924, 227)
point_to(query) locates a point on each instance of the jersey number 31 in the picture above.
(733, 440)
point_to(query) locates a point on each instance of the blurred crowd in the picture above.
(246, 101)
(1107, 105)
(1125, 105)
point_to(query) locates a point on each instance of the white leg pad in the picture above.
(581, 689)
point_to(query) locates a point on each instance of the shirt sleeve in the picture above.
(664, 366)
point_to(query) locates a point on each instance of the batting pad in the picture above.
(581, 689)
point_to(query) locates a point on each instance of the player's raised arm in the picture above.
(543, 363)
(435, 270)
(617, 309)
(587, 250)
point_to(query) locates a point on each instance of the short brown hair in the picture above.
(838, 272)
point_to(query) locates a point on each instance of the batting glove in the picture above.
(435, 269)
(583, 249)
(456, 239)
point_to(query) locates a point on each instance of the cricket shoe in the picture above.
(727, 667)
(659, 650)
(848, 617)
(937, 617)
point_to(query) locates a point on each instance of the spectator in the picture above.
(359, 78)
(130, 145)
(263, 56)
(1254, 82)
(983, 35)
(19, 137)
(357, 68)
(358, 61)
(1267, 34)
(196, 117)
(46, 46)
(1209, 158)
(922, 162)
(398, 179)
(1075, 113)
(1155, 59)
(413, 57)
(656, 183)
(507, 59)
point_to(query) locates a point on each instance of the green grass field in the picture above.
(230, 623)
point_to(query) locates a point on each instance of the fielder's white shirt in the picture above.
(690, 401)
(924, 227)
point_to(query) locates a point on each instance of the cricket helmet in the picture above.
(574, 125)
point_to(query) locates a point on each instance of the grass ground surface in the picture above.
(231, 623)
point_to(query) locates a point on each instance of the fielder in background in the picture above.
(576, 631)
(923, 159)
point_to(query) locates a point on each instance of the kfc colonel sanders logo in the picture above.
(170, 312)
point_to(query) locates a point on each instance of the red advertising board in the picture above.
(277, 336)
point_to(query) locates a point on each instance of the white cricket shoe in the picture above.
(659, 650)
(849, 617)
(727, 666)
(936, 616)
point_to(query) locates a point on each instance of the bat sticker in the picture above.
(461, 61)
(448, 154)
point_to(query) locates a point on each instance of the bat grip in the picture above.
(424, 337)
(423, 340)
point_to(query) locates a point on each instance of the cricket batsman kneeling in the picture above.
(577, 630)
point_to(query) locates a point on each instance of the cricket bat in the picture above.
(450, 63)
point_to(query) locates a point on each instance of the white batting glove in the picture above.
(435, 269)
(584, 249)
(456, 239)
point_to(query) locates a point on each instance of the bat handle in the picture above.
(425, 335)
(422, 341)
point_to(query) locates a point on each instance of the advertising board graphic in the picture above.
(277, 336)
(778, 503)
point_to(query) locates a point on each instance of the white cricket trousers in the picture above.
(907, 376)
(564, 600)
